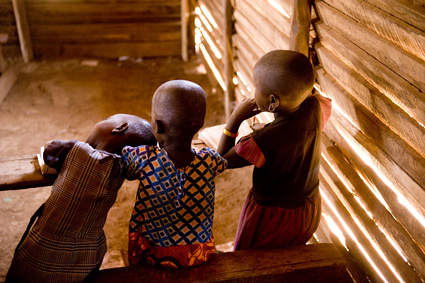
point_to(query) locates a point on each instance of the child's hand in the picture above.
(246, 109)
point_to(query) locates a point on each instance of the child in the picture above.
(284, 205)
(172, 219)
(67, 241)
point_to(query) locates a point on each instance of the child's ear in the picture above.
(159, 126)
(274, 102)
(120, 129)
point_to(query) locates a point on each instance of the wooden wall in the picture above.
(96, 28)
(369, 57)
(371, 63)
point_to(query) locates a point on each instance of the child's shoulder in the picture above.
(141, 149)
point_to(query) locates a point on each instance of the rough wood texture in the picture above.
(380, 135)
(310, 263)
(23, 30)
(399, 32)
(353, 192)
(300, 26)
(410, 67)
(405, 10)
(22, 172)
(74, 28)
(409, 98)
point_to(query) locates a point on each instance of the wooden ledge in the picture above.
(22, 172)
(307, 263)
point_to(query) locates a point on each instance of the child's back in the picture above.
(283, 206)
(172, 220)
(67, 242)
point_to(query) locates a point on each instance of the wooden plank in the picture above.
(349, 188)
(395, 159)
(397, 31)
(275, 15)
(218, 62)
(229, 93)
(367, 95)
(215, 9)
(23, 30)
(3, 62)
(22, 172)
(350, 237)
(109, 50)
(243, 42)
(391, 195)
(40, 12)
(185, 29)
(405, 10)
(410, 67)
(255, 36)
(7, 80)
(409, 98)
(300, 26)
(103, 33)
(318, 263)
(265, 28)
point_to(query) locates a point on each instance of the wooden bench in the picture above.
(22, 172)
(309, 263)
(306, 263)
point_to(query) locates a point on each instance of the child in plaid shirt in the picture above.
(67, 242)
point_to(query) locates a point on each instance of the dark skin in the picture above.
(264, 98)
(113, 134)
(175, 120)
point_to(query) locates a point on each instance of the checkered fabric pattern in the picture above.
(174, 206)
(67, 242)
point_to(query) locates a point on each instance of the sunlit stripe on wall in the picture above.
(352, 236)
(209, 16)
(278, 7)
(212, 66)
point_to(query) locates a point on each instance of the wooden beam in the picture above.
(300, 26)
(306, 263)
(23, 30)
(185, 29)
(401, 62)
(229, 93)
(22, 172)
(3, 62)
(406, 96)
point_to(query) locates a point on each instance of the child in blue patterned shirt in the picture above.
(172, 219)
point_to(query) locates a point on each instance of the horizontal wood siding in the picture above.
(108, 29)
(370, 60)
(260, 28)
(371, 64)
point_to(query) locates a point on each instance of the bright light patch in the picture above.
(212, 66)
(278, 7)
(209, 16)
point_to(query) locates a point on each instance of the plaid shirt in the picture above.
(67, 241)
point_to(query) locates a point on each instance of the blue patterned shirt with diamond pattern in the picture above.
(174, 206)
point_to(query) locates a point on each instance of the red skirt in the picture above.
(262, 226)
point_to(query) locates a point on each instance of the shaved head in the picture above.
(288, 74)
(180, 105)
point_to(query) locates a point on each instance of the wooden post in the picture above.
(184, 28)
(23, 30)
(3, 63)
(229, 93)
(300, 26)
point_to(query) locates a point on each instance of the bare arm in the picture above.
(246, 109)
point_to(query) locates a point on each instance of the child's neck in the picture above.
(180, 153)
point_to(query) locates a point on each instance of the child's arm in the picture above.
(245, 110)
(56, 151)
